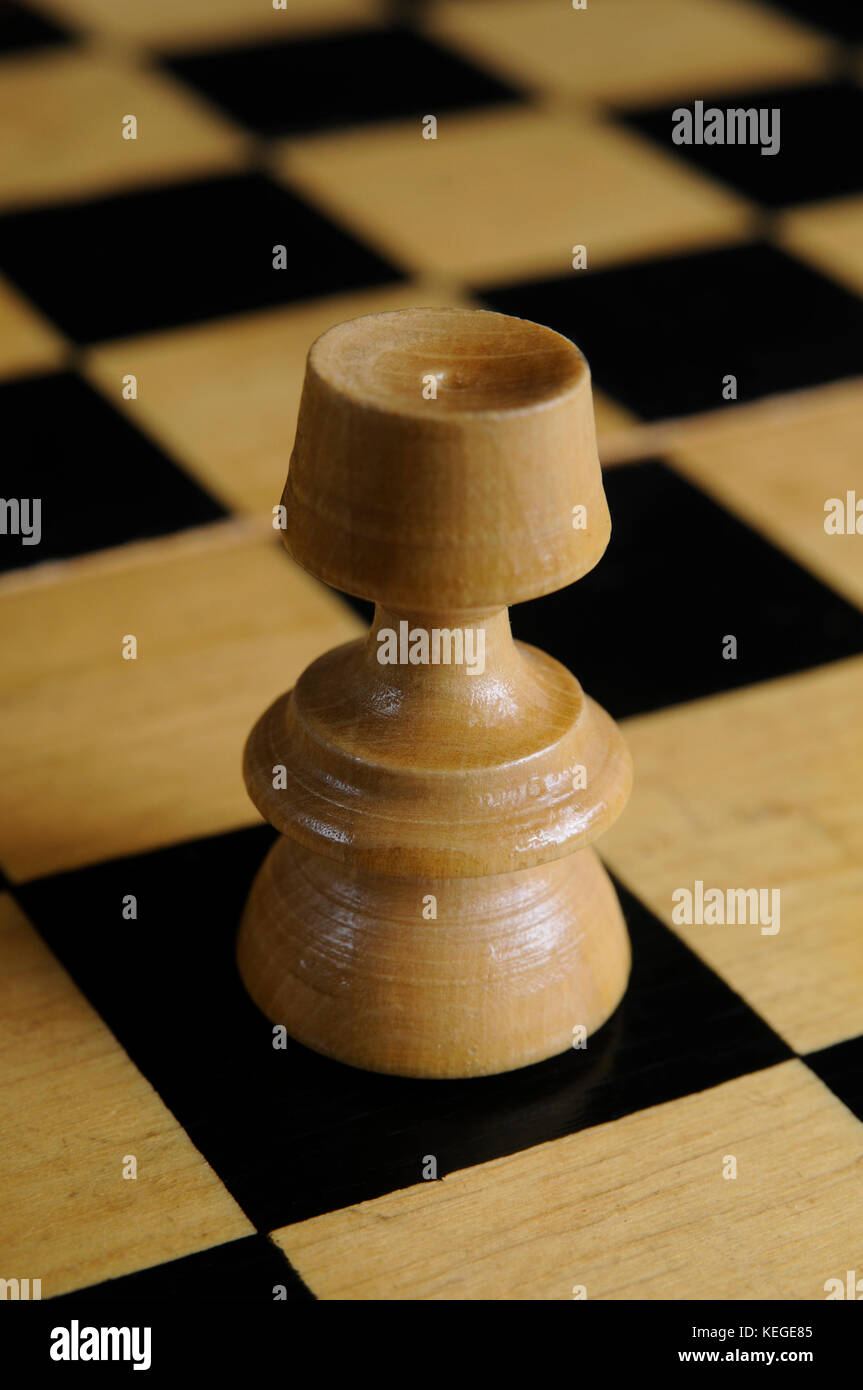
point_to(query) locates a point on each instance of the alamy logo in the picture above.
(732, 906)
(21, 517)
(734, 126)
(438, 646)
(851, 1287)
(20, 1288)
(844, 515)
(76, 1343)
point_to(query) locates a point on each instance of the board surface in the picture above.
(263, 1168)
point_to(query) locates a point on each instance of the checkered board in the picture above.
(262, 1169)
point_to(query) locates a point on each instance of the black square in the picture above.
(292, 1134)
(842, 18)
(662, 335)
(240, 1271)
(167, 256)
(646, 627)
(816, 155)
(344, 79)
(65, 445)
(841, 1068)
(21, 28)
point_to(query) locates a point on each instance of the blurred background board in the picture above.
(153, 259)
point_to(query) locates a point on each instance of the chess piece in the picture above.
(435, 907)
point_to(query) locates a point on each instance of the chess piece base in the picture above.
(355, 966)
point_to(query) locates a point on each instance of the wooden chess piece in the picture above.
(435, 907)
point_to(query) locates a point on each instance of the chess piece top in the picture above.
(380, 361)
(438, 459)
(443, 512)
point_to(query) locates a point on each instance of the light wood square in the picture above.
(631, 51)
(64, 110)
(778, 468)
(222, 398)
(634, 1209)
(760, 789)
(28, 342)
(72, 1107)
(104, 756)
(506, 194)
(829, 236)
(187, 24)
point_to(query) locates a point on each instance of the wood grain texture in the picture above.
(67, 109)
(508, 968)
(223, 621)
(425, 769)
(102, 759)
(72, 1106)
(635, 1209)
(760, 788)
(620, 51)
(777, 468)
(583, 182)
(430, 503)
(430, 506)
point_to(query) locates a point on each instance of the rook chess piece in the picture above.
(435, 907)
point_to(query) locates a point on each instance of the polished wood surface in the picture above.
(761, 786)
(73, 1110)
(600, 1168)
(635, 1209)
(467, 786)
(132, 737)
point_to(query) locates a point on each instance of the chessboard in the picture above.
(189, 195)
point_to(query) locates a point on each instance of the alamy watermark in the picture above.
(437, 646)
(735, 125)
(729, 906)
(21, 517)
(844, 515)
(20, 1289)
(77, 1343)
